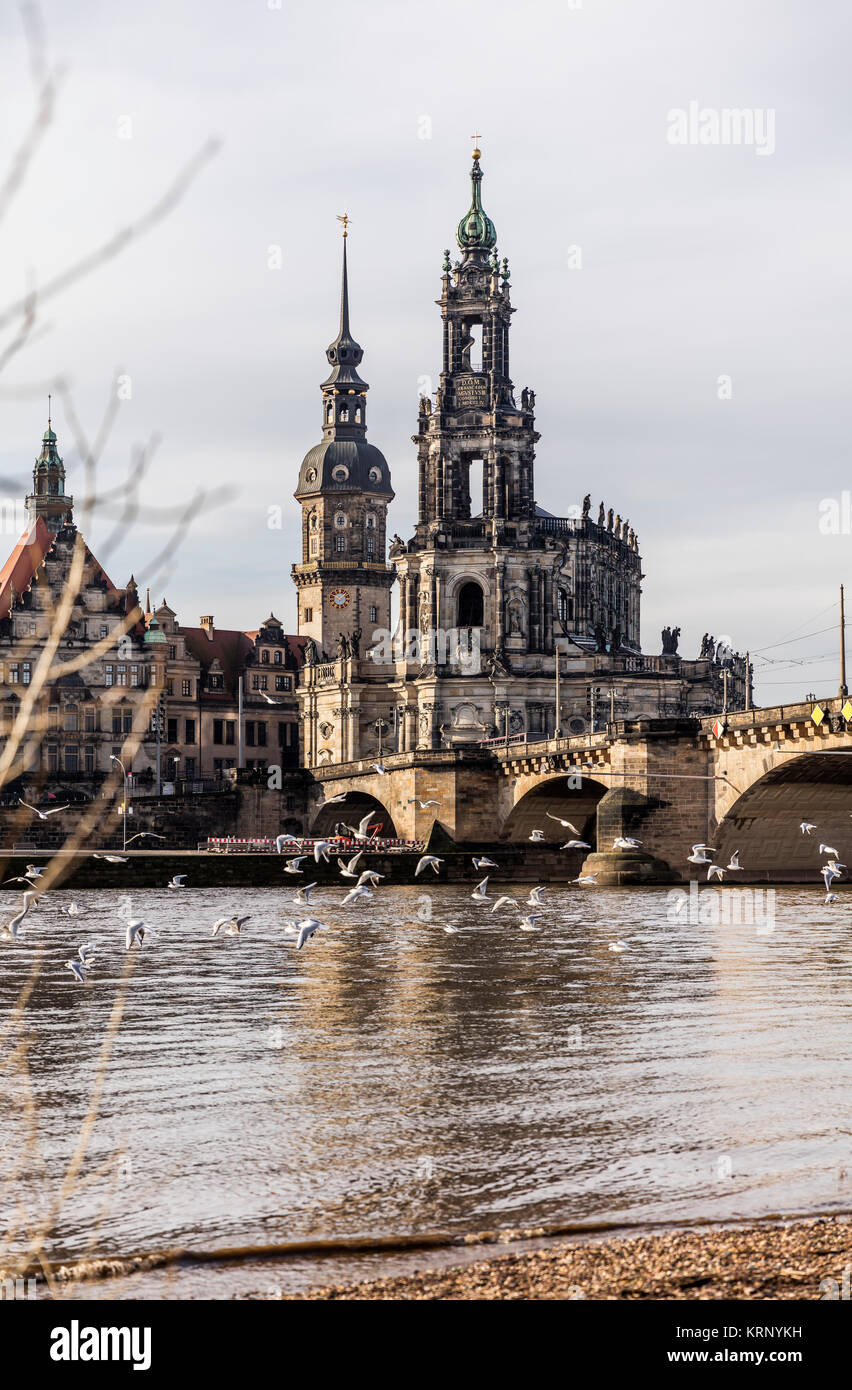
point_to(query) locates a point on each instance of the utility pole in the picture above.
(158, 717)
(239, 721)
(725, 691)
(748, 682)
(612, 704)
(593, 707)
(843, 691)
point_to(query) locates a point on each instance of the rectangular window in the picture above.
(371, 547)
(340, 544)
(216, 682)
(186, 687)
(218, 764)
(309, 615)
(109, 674)
(190, 768)
(89, 721)
(172, 733)
(374, 613)
(116, 723)
(13, 673)
(53, 717)
(230, 732)
(104, 630)
(261, 734)
(127, 721)
(121, 675)
(71, 759)
(90, 760)
(218, 726)
(277, 658)
(250, 733)
(27, 672)
(71, 718)
(134, 675)
(52, 758)
(190, 731)
(172, 653)
(264, 657)
(170, 687)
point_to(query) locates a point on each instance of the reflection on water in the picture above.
(393, 1078)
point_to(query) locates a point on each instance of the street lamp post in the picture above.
(114, 759)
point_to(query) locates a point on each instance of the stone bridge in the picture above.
(745, 781)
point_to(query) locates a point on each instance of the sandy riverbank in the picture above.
(753, 1262)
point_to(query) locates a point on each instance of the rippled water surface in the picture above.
(392, 1078)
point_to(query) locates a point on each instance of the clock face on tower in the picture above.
(340, 598)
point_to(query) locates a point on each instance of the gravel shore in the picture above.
(753, 1262)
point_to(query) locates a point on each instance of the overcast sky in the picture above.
(698, 262)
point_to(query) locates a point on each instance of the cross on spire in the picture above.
(476, 137)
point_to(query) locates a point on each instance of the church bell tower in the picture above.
(344, 580)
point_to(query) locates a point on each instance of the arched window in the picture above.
(358, 415)
(329, 414)
(471, 605)
(343, 417)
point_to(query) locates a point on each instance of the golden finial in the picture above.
(345, 219)
(476, 137)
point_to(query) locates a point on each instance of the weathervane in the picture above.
(345, 219)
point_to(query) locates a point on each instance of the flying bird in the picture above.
(618, 946)
(575, 844)
(303, 895)
(359, 891)
(501, 902)
(566, 824)
(479, 893)
(378, 767)
(536, 835)
(715, 872)
(135, 931)
(528, 924)
(321, 850)
(735, 866)
(292, 865)
(144, 835)
(423, 804)
(333, 800)
(586, 878)
(176, 881)
(826, 849)
(484, 864)
(534, 899)
(370, 876)
(807, 827)
(348, 870)
(43, 815)
(424, 863)
(232, 925)
(625, 842)
(110, 858)
(307, 928)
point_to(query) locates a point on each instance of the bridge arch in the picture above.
(350, 812)
(764, 822)
(558, 796)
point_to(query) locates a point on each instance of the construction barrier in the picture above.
(231, 844)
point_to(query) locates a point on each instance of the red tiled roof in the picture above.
(20, 568)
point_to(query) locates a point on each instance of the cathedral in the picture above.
(495, 591)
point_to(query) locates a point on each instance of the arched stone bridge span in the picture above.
(671, 783)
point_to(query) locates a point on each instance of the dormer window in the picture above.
(340, 473)
(264, 658)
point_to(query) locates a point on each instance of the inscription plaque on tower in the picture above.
(471, 391)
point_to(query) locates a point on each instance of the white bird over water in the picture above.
(371, 877)
(831, 898)
(321, 850)
(232, 925)
(828, 876)
(10, 930)
(74, 910)
(528, 924)
(566, 824)
(43, 815)
(826, 849)
(534, 899)
(480, 893)
(282, 841)
(33, 872)
(303, 895)
(503, 902)
(425, 862)
(362, 831)
(618, 946)
(697, 857)
(587, 878)
(348, 870)
(450, 929)
(176, 881)
(575, 844)
(715, 872)
(735, 866)
(359, 891)
(78, 969)
(135, 931)
(484, 864)
(307, 928)
(807, 827)
(292, 865)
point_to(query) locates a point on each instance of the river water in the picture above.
(392, 1079)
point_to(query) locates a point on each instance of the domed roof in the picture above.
(344, 465)
(476, 231)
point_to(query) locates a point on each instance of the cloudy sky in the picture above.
(698, 262)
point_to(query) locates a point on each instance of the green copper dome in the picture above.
(476, 231)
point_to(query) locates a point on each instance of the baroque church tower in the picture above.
(48, 499)
(344, 581)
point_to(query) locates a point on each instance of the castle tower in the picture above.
(47, 498)
(344, 581)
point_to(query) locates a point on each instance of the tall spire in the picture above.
(344, 353)
(48, 498)
(476, 231)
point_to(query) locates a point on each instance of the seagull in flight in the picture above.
(830, 898)
(735, 866)
(78, 969)
(135, 931)
(575, 844)
(74, 910)
(321, 849)
(697, 856)
(110, 858)
(303, 895)
(829, 875)
(269, 700)
(292, 865)
(333, 800)
(425, 861)
(43, 815)
(618, 946)
(501, 902)
(370, 876)
(587, 878)
(378, 767)
(807, 827)
(479, 893)
(715, 872)
(450, 929)
(625, 842)
(307, 929)
(566, 824)
(534, 899)
(348, 870)
(176, 881)
(11, 930)
(423, 804)
(144, 835)
(232, 925)
(484, 864)
(281, 842)
(537, 835)
(359, 891)
(528, 924)
(826, 849)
